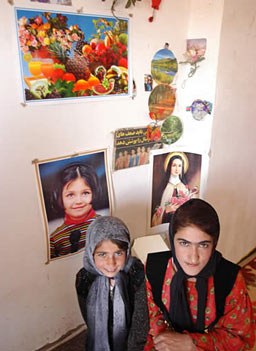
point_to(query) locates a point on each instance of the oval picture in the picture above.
(164, 66)
(171, 130)
(161, 102)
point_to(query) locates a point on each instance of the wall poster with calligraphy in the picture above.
(132, 147)
(67, 55)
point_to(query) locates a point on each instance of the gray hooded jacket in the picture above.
(130, 314)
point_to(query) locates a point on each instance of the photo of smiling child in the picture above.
(79, 186)
(75, 194)
(111, 289)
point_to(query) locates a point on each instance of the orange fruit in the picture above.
(86, 49)
(93, 81)
(81, 84)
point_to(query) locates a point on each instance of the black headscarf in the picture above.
(179, 312)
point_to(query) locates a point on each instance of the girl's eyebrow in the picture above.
(100, 253)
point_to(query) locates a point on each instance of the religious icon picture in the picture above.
(175, 180)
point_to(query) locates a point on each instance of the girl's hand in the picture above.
(173, 341)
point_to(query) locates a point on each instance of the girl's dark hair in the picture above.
(199, 213)
(122, 245)
(168, 170)
(74, 171)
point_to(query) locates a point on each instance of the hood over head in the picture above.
(104, 228)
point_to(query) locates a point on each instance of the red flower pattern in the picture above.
(235, 331)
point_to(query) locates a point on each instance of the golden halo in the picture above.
(182, 155)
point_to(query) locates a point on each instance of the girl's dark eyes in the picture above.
(101, 254)
(204, 245)
(104, 254)
(183, 243)
(86, 193)
(119, 253)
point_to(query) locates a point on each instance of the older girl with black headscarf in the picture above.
(197, 299)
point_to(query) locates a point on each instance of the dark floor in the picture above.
(75, 344)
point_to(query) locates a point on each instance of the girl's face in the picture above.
(193, 249)
(77, 198)
(109, 258)
(176, 168)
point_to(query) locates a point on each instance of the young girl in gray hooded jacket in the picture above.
(111, 289)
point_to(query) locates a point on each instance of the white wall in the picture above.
(232, 172)
(38, 301)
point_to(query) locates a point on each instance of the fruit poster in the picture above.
(72, 55)
(73, 190)
(132, 147)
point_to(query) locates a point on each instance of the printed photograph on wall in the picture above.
(161, 102)
(175, 179)
(132, 147)
(148, 82)
(171, 130)
(74, 190)
(194, 55)
(72, 55)
(164, 66)
(197, 45)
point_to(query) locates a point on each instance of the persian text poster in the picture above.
(132, 147)
(71, 55)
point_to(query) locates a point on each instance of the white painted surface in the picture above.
(147, 244)
(232, 173)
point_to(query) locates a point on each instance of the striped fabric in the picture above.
(60, 239)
